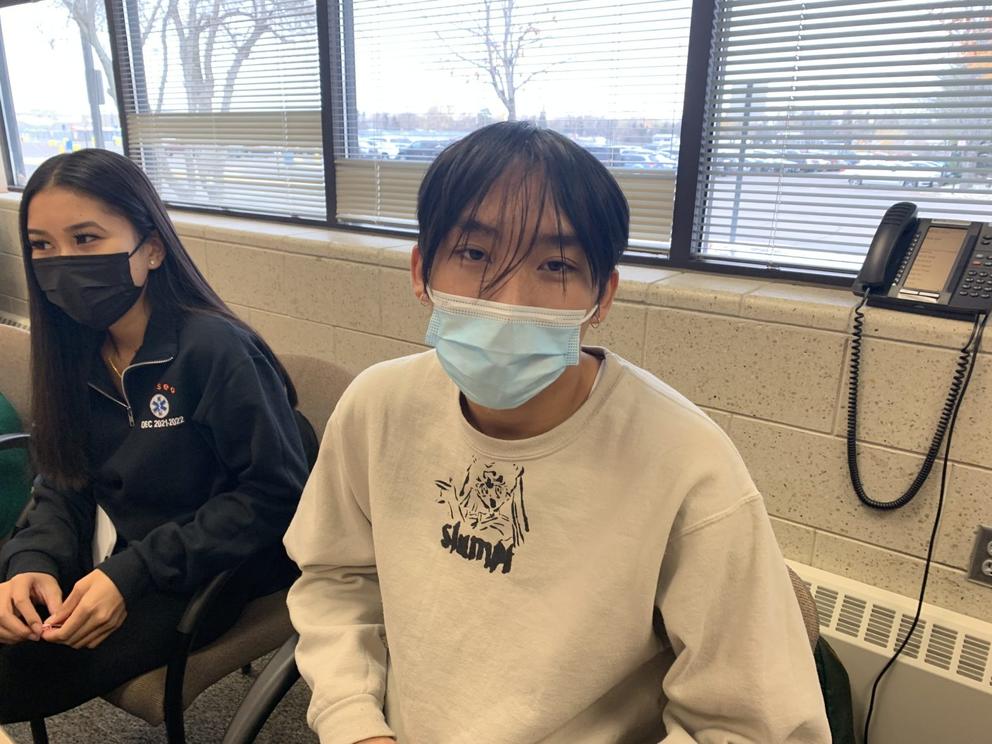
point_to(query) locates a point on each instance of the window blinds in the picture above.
(820, 115)
(418, 75)
(222, 102)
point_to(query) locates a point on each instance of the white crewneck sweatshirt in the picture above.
(614, 579)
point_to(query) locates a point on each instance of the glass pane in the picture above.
(222, 100)
(813, 132)
(61, 94)
(422, 73)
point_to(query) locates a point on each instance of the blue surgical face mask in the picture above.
(500, 356)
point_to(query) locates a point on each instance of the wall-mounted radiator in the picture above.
(940, 689)
(14, 320)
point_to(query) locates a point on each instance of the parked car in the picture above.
(758, 162)
(366, 149)
(388, 146)
(601, 153)
(909, 174)
(809, 163)
(424, 150)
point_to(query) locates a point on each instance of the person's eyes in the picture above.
(559, 266)
(84, 238)
(38, 246)
(472, 254)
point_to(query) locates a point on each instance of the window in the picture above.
(56, 82)
(222, 102)
(820, 115)
(803, 121)
(421, 73)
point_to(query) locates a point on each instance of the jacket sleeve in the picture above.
(743, 671)
(336, 605)
(247, 418)
(59, 525)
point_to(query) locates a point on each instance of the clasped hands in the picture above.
(93, 610)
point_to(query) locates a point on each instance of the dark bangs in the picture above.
(537, 169)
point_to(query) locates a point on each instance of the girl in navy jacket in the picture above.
(163, 435)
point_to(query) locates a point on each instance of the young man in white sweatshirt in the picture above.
(514, 539)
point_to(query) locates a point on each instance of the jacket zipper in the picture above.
(127, 403)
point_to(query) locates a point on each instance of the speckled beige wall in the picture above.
(767, 360)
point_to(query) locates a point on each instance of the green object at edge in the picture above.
(15, 485)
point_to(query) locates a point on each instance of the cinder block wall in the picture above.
(767, 360)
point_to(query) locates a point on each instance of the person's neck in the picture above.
(127, 333)
(546, 410)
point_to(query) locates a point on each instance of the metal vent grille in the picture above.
(974, 658)
(940, 650)
(826, 600)
(14, 320)
(912, 649)
(880, 622)
(852, 612)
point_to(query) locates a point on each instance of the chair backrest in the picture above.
(808, 606)
(15, 369)
(319, 384)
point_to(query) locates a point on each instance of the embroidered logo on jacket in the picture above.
(159, 406)
(487, 516)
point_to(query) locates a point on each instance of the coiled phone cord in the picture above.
(950, 405)
(972, 347)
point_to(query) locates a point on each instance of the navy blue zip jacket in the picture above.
(199, 465)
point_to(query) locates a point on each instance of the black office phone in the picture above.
(931, 266)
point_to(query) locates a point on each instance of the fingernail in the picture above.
(34, 637)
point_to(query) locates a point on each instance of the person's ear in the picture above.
(417, 276)
(606, 301)
(156, 251)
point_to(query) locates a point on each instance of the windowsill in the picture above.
(765, 300)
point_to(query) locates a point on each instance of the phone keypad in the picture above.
(975, 290)
(976, 283)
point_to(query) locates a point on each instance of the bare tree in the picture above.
(501, 52)
(91, 18)
(198, 26)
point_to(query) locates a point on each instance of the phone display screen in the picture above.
(935, 259)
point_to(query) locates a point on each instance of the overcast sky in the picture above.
(592, 57)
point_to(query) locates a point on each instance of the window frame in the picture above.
(7, 109)
(337, 83)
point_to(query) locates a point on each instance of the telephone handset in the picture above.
(932, 266)
(880, 264)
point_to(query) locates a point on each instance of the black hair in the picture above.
(60, 347)
(579, 187)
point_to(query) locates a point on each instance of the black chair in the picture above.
(275, 680)
(17, 440)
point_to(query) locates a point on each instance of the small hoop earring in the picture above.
(594, 323)
(424, 300)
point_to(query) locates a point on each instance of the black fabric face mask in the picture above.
(95, 291)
